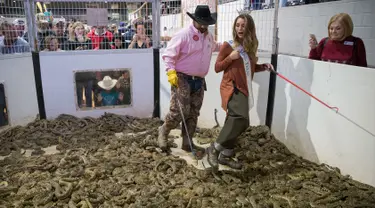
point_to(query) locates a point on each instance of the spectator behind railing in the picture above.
(122, 28)
(77, 38)
(11, 43)
(59, 31)
(98, 35)
(118, 42)
(113, 29)
(105, 45)
(52, 44)
(19, 26)
(128, 35)
(340, 46)
(43, 30)
(140, 40)
(123, 86)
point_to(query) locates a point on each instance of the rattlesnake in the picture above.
(95, 168)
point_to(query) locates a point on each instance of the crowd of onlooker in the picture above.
(61, 34)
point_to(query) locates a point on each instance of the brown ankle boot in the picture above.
(229, 161)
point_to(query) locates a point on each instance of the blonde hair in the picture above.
(346, 21)
(4, 25)
(72, 34)
(48, 41)
(250, 41)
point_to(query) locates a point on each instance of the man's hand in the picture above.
(172, 77)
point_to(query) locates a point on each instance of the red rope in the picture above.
(325, 104)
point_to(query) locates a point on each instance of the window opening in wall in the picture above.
(4, 112)
(103, 89)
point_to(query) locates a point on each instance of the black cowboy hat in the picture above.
(203, 15)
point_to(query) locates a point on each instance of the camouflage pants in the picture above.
(190, 93)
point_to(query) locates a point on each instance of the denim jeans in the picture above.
(195, 85)
(88, 85)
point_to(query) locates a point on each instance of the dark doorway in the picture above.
(3, 107)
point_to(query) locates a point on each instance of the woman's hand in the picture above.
(135, 38)
(313, 43)
(234, 55)
(142, 37)
(267, 67)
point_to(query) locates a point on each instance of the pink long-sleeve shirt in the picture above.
(190, 51)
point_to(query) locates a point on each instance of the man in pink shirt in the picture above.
(187, 58)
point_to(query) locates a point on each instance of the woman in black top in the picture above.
(140, 40)
(77, 38)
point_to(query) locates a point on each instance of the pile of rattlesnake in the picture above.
(94, 168)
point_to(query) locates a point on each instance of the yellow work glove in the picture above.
(172, 77)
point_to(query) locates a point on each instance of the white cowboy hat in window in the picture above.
(107, 83)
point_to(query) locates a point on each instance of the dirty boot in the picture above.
(212, 156)
(229, 161)
(162, 139)
(199, 151)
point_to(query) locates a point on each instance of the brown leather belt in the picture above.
(190, 77)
